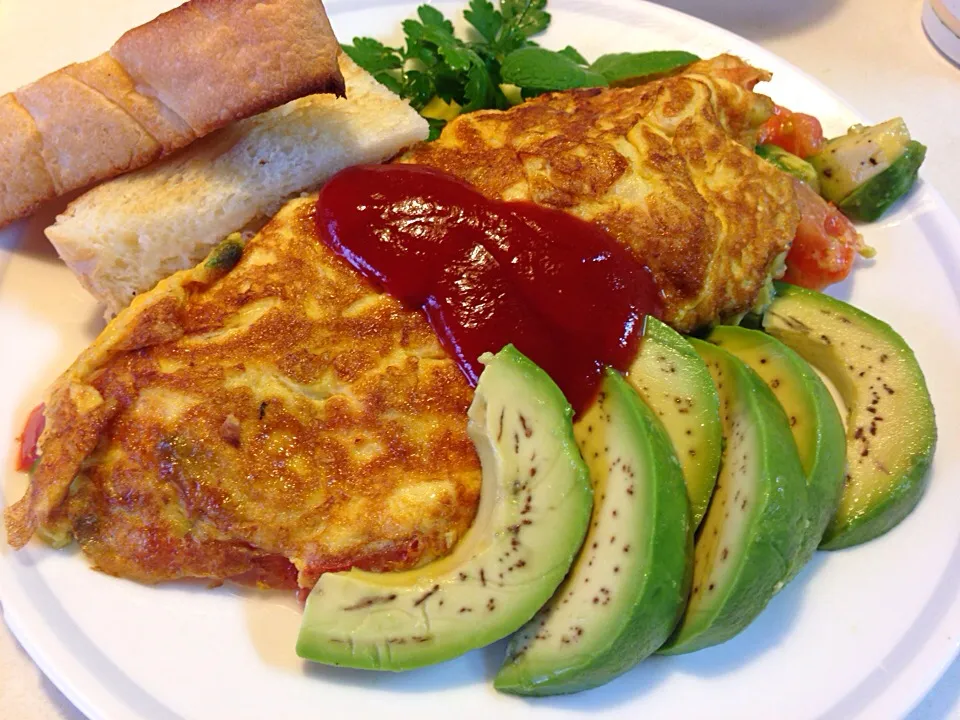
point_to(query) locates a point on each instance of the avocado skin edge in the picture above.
(872, 199)
(658, 606)
(826, 473)
(313, 643)
(767, 562)
(904, 497)
(700, 477)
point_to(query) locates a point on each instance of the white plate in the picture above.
(861, 632)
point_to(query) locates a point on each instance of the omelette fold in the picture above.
(270, 415)
(668, 168)
(267, 422)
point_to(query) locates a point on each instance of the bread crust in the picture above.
(161, 86)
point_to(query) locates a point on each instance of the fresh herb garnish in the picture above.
(442, 75)
(536, 67)
(631, 68)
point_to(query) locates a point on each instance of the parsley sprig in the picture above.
(442, 75)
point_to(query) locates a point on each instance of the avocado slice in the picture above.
(675, 383)
(872, 199)
(757, 518)
(846, 162)
(867, 170)
(790, 163)
(815, 423)
(628, 587)
(535, 505)
(891, 429)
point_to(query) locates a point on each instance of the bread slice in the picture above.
(160, 87)
(124, 236)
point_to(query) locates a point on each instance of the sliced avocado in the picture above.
(628, 586)
(891, 430)
(847, 162)
(535, 505)
(790, 163)
(872, 199)
(757, 518)
(815, 423)
(675, 383)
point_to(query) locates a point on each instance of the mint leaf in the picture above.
(373, 56)
(634, 68)
(526, 16)
(485, 19)
(571, 53)
(535, 67)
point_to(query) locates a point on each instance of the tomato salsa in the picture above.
(32, 429)
(488, 272)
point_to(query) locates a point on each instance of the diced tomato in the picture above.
(796, 133)
(826, 243)
(29, 437)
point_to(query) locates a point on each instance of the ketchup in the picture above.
(488, 273)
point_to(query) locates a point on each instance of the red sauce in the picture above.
(488, 273)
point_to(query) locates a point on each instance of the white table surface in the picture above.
(875, 55)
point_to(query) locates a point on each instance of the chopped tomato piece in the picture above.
(796, 133)
(826, 243)
(29, 437)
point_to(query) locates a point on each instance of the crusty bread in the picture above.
(124, 236)
(161, 86)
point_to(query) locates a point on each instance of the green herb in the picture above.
(572, 53)
(634, 68)
(227, 254)
(434, 63)
(536, 67)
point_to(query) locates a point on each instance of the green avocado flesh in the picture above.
(891, 430)
(790, 163)
(674, 382)
(872, 199)
(756, 521)
(815, 422)
(847, 162)
(627, 589)
(535, 505)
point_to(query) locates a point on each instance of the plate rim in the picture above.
(937, 653)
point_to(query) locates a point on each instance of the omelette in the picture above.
(265, 422)
(270, 415)
(668, 168)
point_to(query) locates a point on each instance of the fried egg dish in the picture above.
(266, 416)
(667, 168)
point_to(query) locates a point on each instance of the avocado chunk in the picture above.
(675, 383)
(535, 505)
(628, 587)
(790, 163)
(891, 430)
(865, 171)
(872, 199)
(757, 519)
(815, 423)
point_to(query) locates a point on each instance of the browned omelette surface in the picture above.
(667, 168)
(230, 421)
